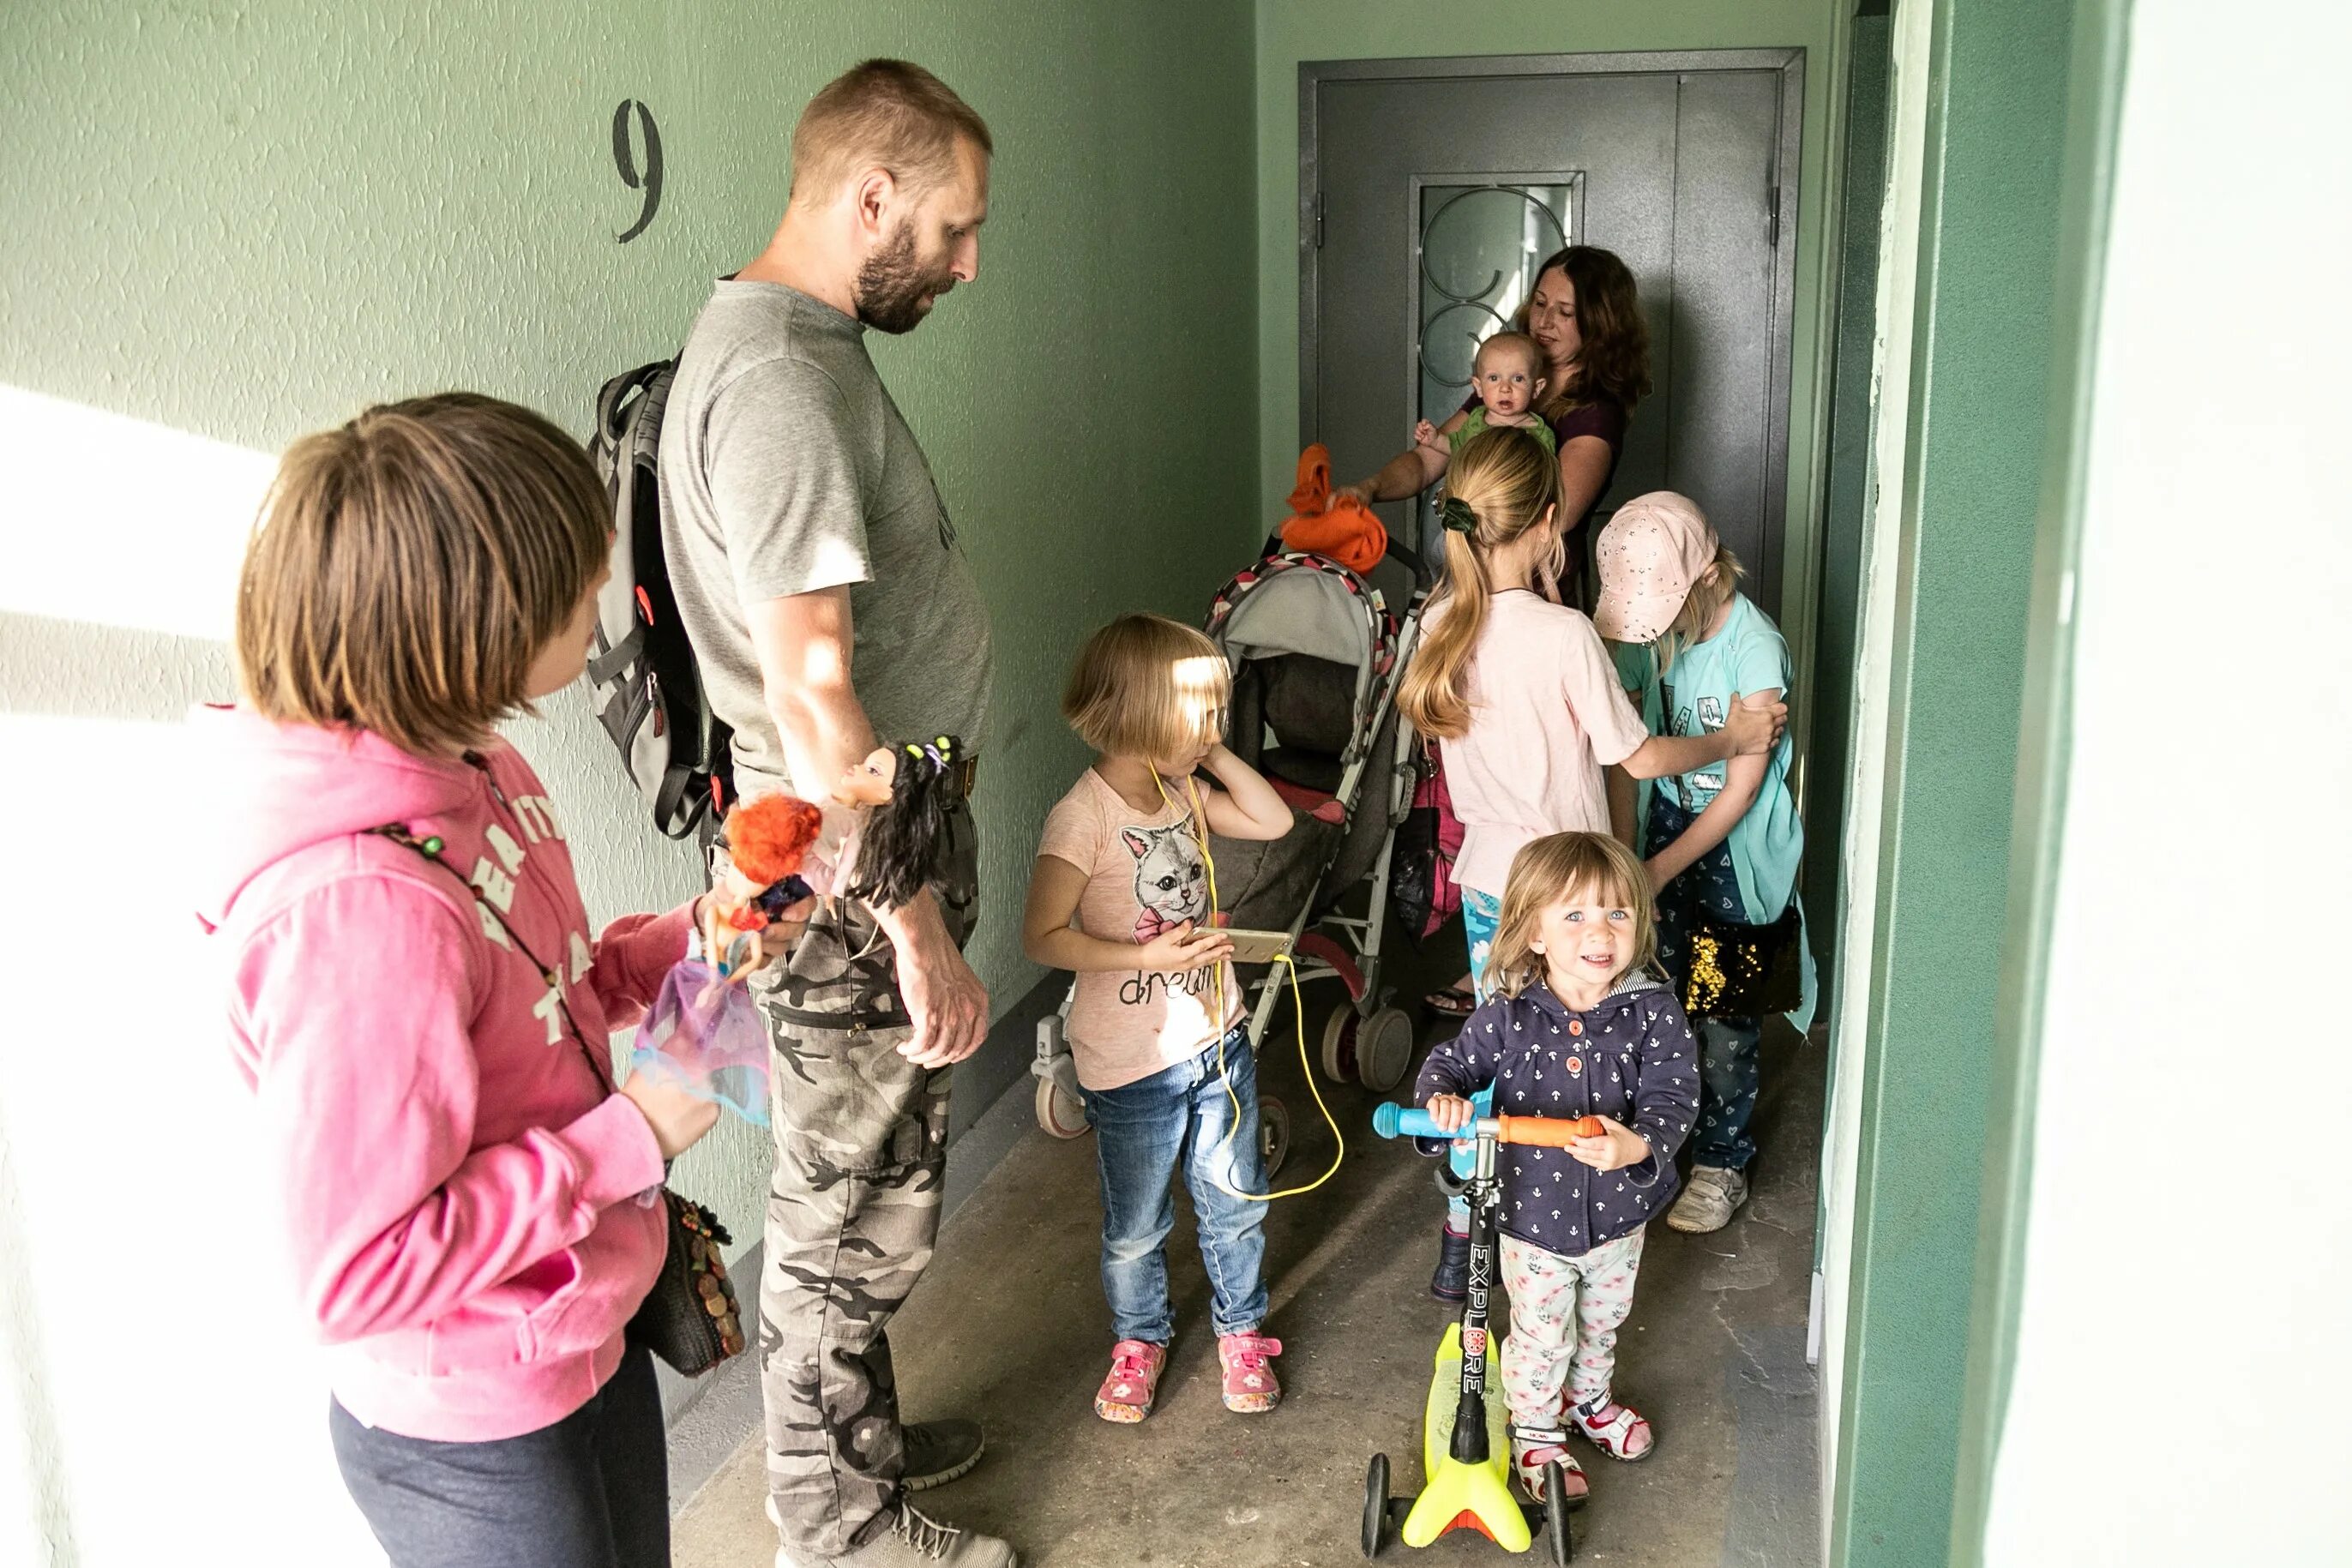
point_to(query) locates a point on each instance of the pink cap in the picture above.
(1649, 555)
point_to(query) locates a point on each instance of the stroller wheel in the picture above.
(1058, 1113)
(1273, 1136)
(1384, 1049)
(1339, 1044)
(1373, 1051)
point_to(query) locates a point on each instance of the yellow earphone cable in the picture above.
(1298, 1012)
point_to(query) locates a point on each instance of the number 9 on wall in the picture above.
(633, 128)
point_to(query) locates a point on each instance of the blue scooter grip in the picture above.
(1390, 1120)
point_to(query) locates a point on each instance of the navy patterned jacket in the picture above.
(1632, 1058)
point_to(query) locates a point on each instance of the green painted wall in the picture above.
(252, 219)
(1292, 31)
(1981, 350)
(1845, 509)
(238, 220)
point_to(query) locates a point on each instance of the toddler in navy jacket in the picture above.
(1574, 1027)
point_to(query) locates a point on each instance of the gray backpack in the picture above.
(648, 694)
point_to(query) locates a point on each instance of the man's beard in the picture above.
(892, 284)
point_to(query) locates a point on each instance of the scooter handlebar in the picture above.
(1393, 1121)
(1542, 1131)
(1390, 1120)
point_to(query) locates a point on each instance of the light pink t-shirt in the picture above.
(1144, 874)
(1545, 714)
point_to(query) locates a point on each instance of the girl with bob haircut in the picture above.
(1527, 706)
(1122, 894)
(416, 999)
(1574, 1027)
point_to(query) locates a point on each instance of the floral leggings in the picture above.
(1565, 1313)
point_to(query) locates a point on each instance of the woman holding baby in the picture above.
(1585, 320)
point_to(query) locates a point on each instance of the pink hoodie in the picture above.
(457, 1193)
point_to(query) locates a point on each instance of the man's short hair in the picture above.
(885, 113)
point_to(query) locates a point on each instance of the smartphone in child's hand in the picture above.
(1257, 946)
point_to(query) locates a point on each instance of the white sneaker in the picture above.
(1708, 1203)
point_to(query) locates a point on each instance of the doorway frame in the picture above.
(1789, 62)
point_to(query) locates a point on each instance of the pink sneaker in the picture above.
(1126, 1394)
(1249, 1387)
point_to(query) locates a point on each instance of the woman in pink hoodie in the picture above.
(470, 1214)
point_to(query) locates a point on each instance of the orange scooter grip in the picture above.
(1545, 1131)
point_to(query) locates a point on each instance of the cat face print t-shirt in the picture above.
(1145, 875)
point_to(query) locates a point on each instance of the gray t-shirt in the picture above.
(786, 468)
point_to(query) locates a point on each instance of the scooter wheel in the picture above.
(1384, 1049)
(1556, 1513)
(1339, 1044)
(1058, 1111)
(1376, 1504)
(1273, 1136)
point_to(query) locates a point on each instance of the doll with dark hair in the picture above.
(905, 795)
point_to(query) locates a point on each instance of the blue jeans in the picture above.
(1728, 1047)
(1145, 1132)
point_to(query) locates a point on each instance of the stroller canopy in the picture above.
(1310, 605)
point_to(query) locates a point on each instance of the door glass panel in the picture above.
(1479, 244)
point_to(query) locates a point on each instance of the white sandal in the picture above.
(1611, 1427)
(1531, 1449)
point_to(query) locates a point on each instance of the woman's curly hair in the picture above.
(1615, 359)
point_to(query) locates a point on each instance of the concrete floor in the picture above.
(1009, 1327)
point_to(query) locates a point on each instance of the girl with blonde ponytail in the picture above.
(1526, 702)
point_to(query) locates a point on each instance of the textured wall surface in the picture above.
(232, 223)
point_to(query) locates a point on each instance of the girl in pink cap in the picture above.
(1723, 840)
(1526, 703)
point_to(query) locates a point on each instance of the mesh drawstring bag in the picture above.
(707, 1038)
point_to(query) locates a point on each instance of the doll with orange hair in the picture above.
(768, 840)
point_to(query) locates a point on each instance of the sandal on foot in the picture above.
(1126, 1394)
(1452, 1001)
(1532, 1449)
(1617, 1430)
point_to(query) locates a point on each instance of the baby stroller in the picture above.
(1316, 655)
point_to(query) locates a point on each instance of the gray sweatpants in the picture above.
(852, 1213)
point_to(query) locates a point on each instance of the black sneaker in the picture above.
(940, 1452)
(1451, 1280)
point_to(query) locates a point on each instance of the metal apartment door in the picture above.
(1430, 191)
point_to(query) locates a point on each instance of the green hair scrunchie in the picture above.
(1456, 515)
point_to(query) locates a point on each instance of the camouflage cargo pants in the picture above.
(853, 1212)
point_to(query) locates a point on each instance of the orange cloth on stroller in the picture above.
(1350, 533)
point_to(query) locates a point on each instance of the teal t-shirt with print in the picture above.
(1695, 698)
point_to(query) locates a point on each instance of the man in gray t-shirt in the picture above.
(831, 607)
(786, 470)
